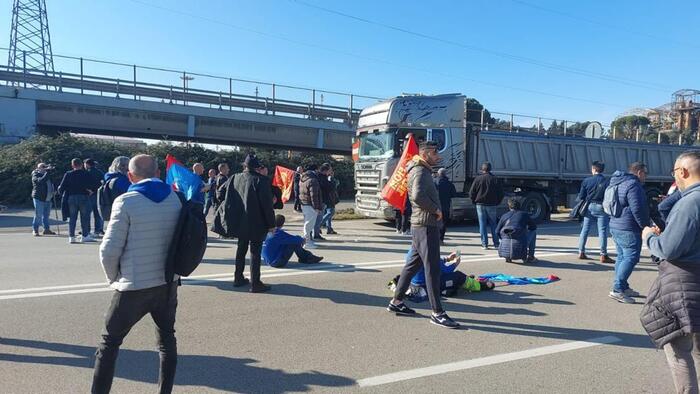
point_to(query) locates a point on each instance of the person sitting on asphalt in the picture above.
(279, 246)
(450, 278)
(518, 233)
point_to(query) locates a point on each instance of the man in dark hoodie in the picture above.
(446, 190)
(310, 198)
(42, 195)
(116, 182)
(77, 185)
(627, 228)
(426, 216)
(133, 255)
(249, 199)
(486, 193)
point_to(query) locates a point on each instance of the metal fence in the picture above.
(128, 81)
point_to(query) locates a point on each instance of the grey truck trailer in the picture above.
(545, 171)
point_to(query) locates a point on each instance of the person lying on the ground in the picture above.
(518, 233)
(279, 246)
(451, 280)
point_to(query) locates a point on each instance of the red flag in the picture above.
(395, 191)
(284, 179)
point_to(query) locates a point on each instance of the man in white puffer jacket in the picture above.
(133, 255)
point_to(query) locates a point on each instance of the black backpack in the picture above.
(189, 240)
(105, 198)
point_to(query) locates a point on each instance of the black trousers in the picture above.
(443, 225)
(426, 254)
(403, 221)
(255, 251)
(126, 309)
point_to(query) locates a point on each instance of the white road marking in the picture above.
(15, 294)
(484, 361)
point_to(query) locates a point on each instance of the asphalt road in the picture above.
(325, 328)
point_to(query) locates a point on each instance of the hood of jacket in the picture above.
(619, 177)
(155, 191)
(308, 175)
(417, 161)
(111, 175)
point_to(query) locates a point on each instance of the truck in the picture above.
(543, 171)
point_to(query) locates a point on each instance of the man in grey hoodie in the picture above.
(425, 233)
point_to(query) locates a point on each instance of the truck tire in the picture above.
(534, 204)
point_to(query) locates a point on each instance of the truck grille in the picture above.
(367, 181)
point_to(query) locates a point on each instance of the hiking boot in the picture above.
(629, 292)
(259, 287)
(621, 297)
(240, 281)
(582, 256)
(312, 260)
(400, 309)
(331, 232)
(443, 320)
(531, 260)
(36, 233)
(606, 260)
(318, 237)
(48, 232)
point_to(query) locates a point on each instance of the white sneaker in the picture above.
(88, 238)
(73, 240)
(310, 245)
(621, 297)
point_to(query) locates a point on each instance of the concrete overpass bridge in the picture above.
(33, 101)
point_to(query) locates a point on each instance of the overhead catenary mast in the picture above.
(30, 41)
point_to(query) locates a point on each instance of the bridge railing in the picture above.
(211, 92)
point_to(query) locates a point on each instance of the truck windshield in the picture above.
(377, 145)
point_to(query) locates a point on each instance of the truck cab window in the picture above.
(438, 136)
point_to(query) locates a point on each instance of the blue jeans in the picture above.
(92, 199)
(629, 247)
(531, 241)
(42, 211)
(328, 217)
(319, 217)
(78, 203)
(595, 214)
(487, 216)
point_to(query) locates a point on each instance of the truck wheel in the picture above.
(535, 206)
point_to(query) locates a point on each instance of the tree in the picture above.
(627, 127)
(474, 108)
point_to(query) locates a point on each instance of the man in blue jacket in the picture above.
(627, 228)
(279, 246)
(671, 316)
(593, 191)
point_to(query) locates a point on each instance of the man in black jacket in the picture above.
(297, 179)
(486, 193)
(97, 177)
(249, 198)
(77, 185)
(446, 190)
(42, 195)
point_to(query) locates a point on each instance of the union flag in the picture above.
(284, 179)
(356, 150)
(395, 191)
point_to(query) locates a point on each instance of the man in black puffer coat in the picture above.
(671, 315)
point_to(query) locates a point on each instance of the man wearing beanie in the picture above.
(249, 199)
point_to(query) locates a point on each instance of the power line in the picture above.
(603, 24)
(376, 60)
(503, 55)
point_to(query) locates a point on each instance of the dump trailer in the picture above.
(544, 171)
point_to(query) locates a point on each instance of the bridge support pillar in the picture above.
(190, 126)
(17, 119)
(319, 139)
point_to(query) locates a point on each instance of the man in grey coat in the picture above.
(671, 315)
(425, 233)
(133, 255)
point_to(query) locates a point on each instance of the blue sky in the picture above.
(632, 53)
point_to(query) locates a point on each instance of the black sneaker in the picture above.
(242, 281)
(318, 237)
(400, 309)
(331, 232)
(259, 287)
(443, 320)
